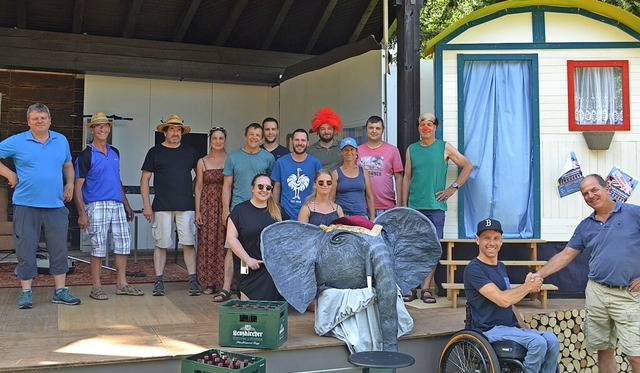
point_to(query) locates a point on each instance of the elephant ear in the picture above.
(289, 251)
(414, 243)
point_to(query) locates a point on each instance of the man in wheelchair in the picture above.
(491, 302)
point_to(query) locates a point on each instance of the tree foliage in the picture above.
(436, 15)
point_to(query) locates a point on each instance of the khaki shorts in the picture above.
(612, 314)
(162, 225)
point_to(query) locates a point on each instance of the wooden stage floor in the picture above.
(127, 329)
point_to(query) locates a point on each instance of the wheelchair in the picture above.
(469, 351)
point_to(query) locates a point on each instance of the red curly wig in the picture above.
(326, 115)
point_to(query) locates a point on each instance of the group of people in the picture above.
(235, 196)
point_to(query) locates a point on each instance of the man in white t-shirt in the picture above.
(382, 161)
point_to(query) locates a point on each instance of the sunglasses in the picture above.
(264, 186)
(321, 182)
(214, 129)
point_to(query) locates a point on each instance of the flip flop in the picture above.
(427, 297)
(129, 290)
(222, 296)
(98, 294)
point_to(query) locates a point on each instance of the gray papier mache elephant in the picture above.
(304, 259)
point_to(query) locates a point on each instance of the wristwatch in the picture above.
(455, 185)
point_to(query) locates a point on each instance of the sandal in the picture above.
(427, 296)
(410, 296)
(98, 294)
(222, 296)
(129, 290)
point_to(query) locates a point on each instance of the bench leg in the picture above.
(454, 298)
(543, 298)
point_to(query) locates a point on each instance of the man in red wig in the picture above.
(326, 124)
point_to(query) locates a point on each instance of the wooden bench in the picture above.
(532, 243)
(455, 288)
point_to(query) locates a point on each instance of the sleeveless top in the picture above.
(428, 175)
(350, 193)
(318, 218)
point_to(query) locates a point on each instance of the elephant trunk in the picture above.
(386, 292)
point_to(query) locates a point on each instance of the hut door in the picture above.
(497, 138)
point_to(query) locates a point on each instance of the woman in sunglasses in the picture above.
(208, 191)
(318, 208)
(246, 222)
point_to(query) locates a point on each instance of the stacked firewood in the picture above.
(567, 326)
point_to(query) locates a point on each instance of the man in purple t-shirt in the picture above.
(382, 161)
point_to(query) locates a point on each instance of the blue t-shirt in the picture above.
(484, 313)
(243, 167)
(296, 181)
(350, 194)
(615, 244)
(39, 168)
(101, 174)
(278, 152)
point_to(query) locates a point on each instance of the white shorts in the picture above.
(162, 228)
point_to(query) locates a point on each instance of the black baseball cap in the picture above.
(488, 225)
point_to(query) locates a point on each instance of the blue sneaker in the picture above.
(26, 300)
(65, 297)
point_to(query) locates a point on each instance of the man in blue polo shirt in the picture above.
(42, 157)
(612, 296)
(103, 206)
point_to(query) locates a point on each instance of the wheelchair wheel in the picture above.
(468, 352)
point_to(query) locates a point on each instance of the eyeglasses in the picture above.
(264, 186)
(321, 182)
(214, 129)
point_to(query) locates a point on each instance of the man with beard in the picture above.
(271, 133)
(294, 175)
(171, 163)
(239, 170)
(326, 123)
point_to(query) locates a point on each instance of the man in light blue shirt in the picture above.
(42, 157)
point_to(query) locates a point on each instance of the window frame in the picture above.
(626, 117)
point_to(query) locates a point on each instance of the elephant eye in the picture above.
(339, 238)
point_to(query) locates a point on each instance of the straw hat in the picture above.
(173, 120)
(98, 118)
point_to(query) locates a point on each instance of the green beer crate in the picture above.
(253, 324)
(199, 363)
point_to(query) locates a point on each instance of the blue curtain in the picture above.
(498, 142)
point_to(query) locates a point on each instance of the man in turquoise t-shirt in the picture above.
(424, 184)
(239, 169)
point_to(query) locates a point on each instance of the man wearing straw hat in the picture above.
(103, 206)
(171, 163)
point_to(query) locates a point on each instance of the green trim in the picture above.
(594, 9)
(535, 135)
(439, 106)
(537, 20)
(505, 46)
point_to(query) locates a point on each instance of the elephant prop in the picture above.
(400, 249)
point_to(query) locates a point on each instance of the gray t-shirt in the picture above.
(243, 167)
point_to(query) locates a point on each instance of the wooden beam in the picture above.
(178, 35)
(78, 16)
(78, 53)
(273, 31)
(363, 20)
(132, 19)
(21, 14)
(320, 26)
(230, 22)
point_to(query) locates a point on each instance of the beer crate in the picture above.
(252, 324)
(199, 363)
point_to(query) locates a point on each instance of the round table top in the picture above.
(381, 359)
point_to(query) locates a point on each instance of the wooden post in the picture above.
(408, 18)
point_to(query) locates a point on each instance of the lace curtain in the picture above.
(598, 95)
